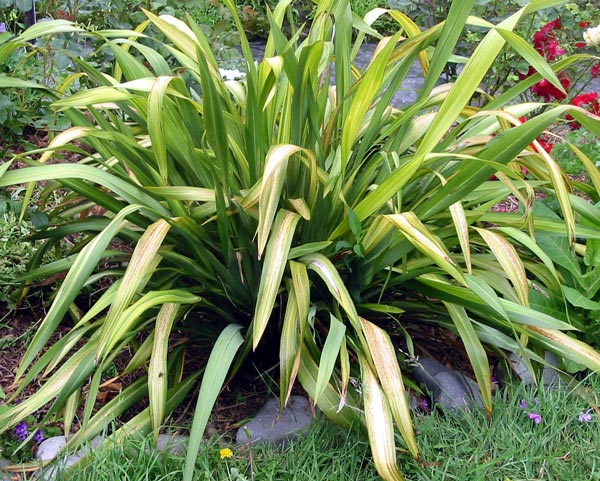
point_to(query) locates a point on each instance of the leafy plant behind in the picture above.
(299, 208)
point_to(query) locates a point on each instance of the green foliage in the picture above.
(325, 453)
(504, 73)
(568, 159)
(16, 246)
(296, 209)
(467, 445)
(18, 446)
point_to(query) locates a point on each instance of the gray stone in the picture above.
(272, 426)
(550, 376)
(449, 388)
(5, 475)
(49, 448)
(173, 443)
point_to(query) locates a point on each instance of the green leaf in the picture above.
(475, 352)
(329, 354)
(383, 355)
(577, 299)
(158, 381)
(379, 426)
(83, 266)
(486, 294)
(510, 261)
(274, 264)
(220, 360)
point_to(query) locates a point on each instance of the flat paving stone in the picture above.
(175, 444)
(275, 427)
(550, 376)
(449, 388)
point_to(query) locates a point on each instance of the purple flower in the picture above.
(38, 437)
(21, 432)
(585, 417)
(2, 27)
(423, 404)
(535, 417)
(523, 404)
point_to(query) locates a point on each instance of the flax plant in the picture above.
(296, 203)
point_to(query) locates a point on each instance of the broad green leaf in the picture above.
(329, 354)
(142, 264)
(113, 333)
(274, 265)
(368, 88)
(327, 271)
(467, 82)
(475, 352)
(537, 61)
(156, 124)
(528, 242)
(220, 360)
(383, 355)
(486, 294)
(452, 29)
(271, 186)
(557, 249)
(83, 266)
(329, 401)
(462, 230)
(424, 240)
(10, 82)
(157, 369)
(67, 378)
(568, 347)
(378, 420)
(577, 299)
(128, 191)
(510, 261)
(289, 348)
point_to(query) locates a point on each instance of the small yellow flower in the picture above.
(225, 453)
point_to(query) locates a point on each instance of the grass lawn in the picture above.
(562, 445)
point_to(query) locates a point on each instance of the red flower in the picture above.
(545, 42)
(580, 45)
(547, 146)
(595, 70)
(545, 89)
(584, 24)
(588, 101)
